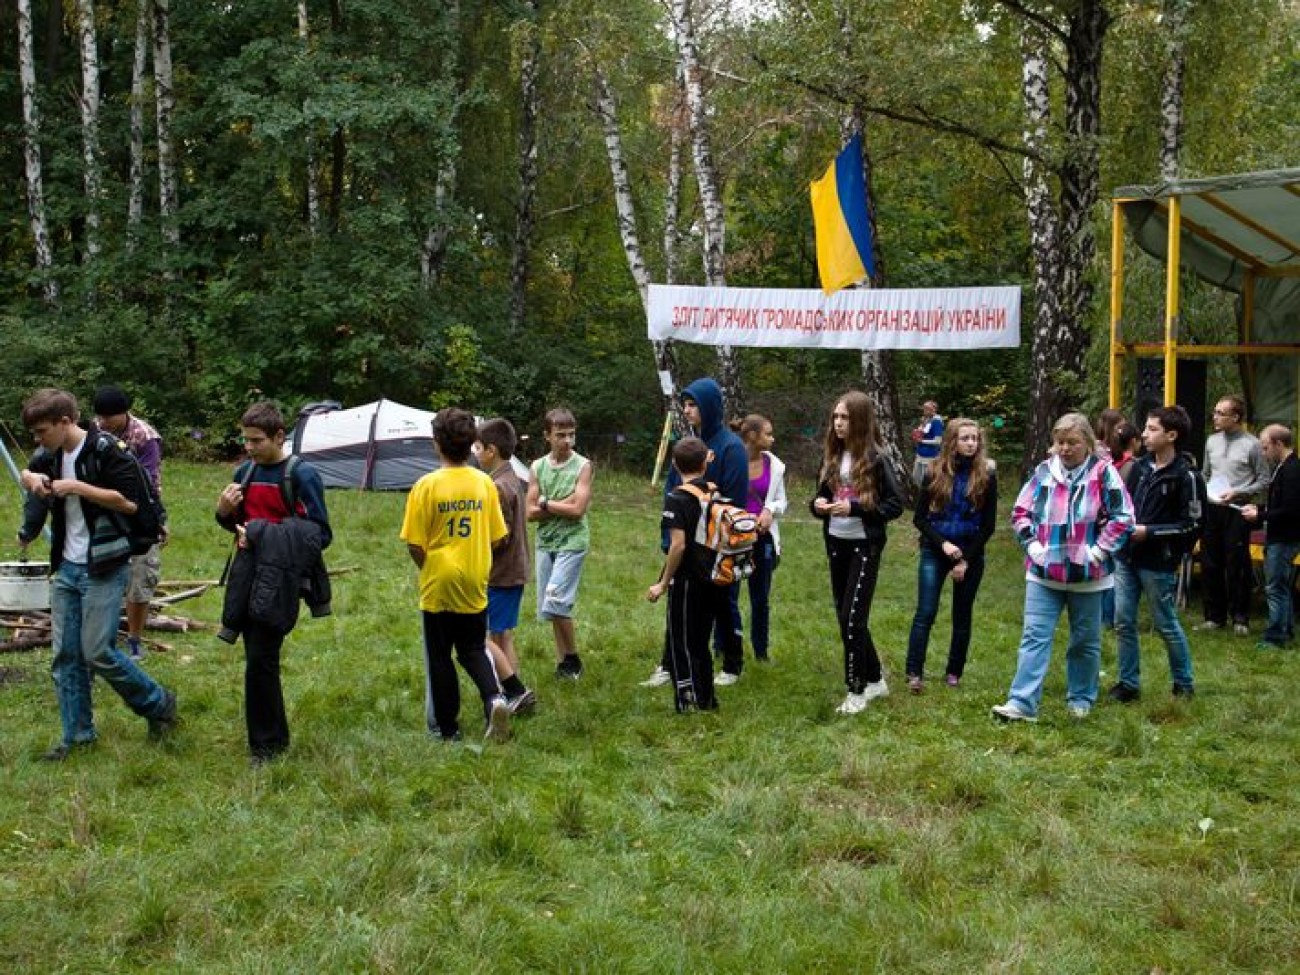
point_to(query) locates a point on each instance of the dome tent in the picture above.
(379, 446)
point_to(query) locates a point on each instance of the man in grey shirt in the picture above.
(1236, 473)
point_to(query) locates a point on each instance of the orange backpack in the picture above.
(729, 532)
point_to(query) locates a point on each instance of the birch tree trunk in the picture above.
(433, 249)
(92, 175)
(313, 167)
(625, 209)
(338, 140)
(525, 205)
(165, 97)
(673, 191)
(135, 200)
(1171, 88)
(706, 175)
(32, 153)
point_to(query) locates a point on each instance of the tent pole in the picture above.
(1173, 258)
(1247, 333)
(1116, 301)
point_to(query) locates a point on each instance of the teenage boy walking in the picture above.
(1281, 517)
(694, 600)
(112, 407)
(257, 493)
(505, 593)
(1168, 503)
(452, 520)
(559, 493)
(91, 476)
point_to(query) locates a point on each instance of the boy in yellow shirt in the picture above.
(452, 520)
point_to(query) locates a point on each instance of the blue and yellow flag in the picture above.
(839, 205)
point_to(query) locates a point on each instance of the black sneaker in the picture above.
(1184, 690)
(1123, 694)
(570, 668)
(165, 723)
(61, 751)
(522, 702)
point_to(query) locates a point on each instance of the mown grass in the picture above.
(613, 836)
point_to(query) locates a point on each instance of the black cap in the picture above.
(110, 401)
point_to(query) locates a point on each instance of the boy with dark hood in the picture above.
(728, 471)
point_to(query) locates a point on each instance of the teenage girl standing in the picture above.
(856, 496)
(767, 502)
(956, 513)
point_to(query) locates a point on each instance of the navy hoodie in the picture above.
(729, 469)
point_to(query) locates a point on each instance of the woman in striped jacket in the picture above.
(1071, 517)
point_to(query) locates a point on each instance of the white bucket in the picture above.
(24, 586)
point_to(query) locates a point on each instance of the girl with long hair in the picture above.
(956, 513)
(857, 495)
(767, 502)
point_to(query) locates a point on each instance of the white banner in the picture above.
(913, 318)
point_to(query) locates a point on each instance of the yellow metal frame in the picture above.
(1169, 349)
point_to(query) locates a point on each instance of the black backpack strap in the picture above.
(287, 492)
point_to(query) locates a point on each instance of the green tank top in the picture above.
(556, 484)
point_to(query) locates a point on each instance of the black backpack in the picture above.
(144, 529)
(287, 494)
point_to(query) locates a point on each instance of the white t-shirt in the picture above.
(849, 527)
(76, 533)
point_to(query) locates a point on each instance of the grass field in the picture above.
(612, 835)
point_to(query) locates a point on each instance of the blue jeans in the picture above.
(933, 568)
(1278, 557)
(1161, 590)
(85, 611)
(1043, 607)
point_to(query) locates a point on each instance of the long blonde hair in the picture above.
(943, 471)
(862, 444)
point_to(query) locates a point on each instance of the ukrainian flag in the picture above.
(839, 205)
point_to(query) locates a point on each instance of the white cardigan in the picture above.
(775, 501)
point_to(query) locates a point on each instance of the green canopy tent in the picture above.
(1241, 233)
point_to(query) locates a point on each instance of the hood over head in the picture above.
(707, 395)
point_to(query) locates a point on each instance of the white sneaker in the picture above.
(498, 722)
(878, 689)
(1078, 712)
(659, 678)
(853, 704)
(725, 679)
(1011, 712)
(1241, 629)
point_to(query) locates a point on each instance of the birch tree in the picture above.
(706, 175)
(165, 98)
(139, 64)
(526, 202)
(1175, 17)
(313, 166)
(433, 246)
(32, 154)
(91, 172)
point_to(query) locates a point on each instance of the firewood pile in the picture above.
(30, 629)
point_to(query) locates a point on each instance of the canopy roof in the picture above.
(1240, 233)
(1231, 225)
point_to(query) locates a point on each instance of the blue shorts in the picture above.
(558, 574)
(503, 608)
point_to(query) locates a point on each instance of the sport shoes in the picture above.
(525, 701)
(60, 751)
(162, 724)
(873, 691)
(915, 684)
(498, 720)
(725, 679)
(1241, 629)
(1123, 694)
(1011, 712)
(952, 680)
(1209, 625)
(570, 668)
(134, 648)
(658, 678)
(1184, 690)
(853, 704)
(1079, 712)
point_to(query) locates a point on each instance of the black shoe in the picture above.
(570, 668)
(165, 723)
(59, 752)
(1184, 690)
(1123, 694)
(522, 702)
